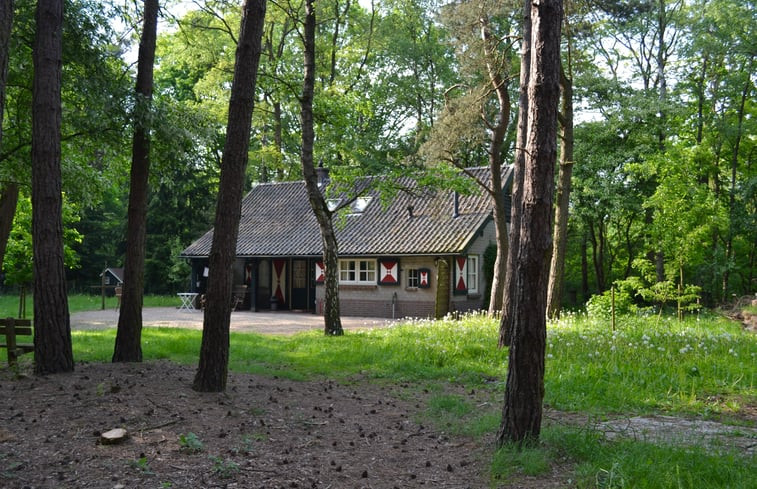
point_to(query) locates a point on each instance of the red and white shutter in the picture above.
(424, 278)
(320, 272)
(389, 272)
(279, 279)
(461, 275)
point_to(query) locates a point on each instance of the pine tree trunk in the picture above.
(331, 315)
(8, 203)
(506, 322)
(128, 347)
(9, 192)
(213, 366)
(52, 327)
(560, 237)
(496, 139)
(522, 411)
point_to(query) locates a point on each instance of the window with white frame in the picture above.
(357, 272)
(472, 274)
(413, 278)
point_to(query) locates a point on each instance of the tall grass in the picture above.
(694, 366)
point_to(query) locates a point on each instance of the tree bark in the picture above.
(498, 130)
(522, 411)
(510, 287)
(6, 22)
(128, 347)
(331, 314)
(8, 203)
(213, 367)
(8, 192)
(52, 327)
(560, 236)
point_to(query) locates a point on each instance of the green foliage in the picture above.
(225, 469)
(190, 443)
(17, 264)
(142, 466)
(600, 306)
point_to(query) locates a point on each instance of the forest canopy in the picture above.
(664, 185)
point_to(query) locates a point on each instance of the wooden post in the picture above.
(612, 293)
(10, 334)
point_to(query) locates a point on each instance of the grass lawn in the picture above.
(697, 369)
(9, 303)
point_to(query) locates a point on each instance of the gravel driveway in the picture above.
(279, 322)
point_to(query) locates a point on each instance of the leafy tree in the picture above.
(214, 353)
(480, 117)
(52, 332)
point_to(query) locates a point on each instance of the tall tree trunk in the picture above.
(128, 347)
(52, 332)
(498, 130)
(8, 203)
(213, 367)
(8, 192)
(733, 190)
(524, 392)
(331, 314)
(6, 22)
(511, 286)
(560, 236)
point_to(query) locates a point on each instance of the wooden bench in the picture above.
(11, 328)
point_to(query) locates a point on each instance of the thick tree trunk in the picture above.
(331, 314)
(510, 287)
(52, 327)
(560, 234)
(128, 347)
(522, 411)
(213, 367)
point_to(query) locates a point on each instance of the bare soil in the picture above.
(262, 433)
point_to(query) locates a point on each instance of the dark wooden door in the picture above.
(299, 284)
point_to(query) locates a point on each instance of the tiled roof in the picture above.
(277, 221)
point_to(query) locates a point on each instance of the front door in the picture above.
(300, 284)
(263, 289)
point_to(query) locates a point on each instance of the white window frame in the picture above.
(357, 272)
(413, 278)
(473, 274)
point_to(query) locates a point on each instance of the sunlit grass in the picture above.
(644, 365)
(9, 303)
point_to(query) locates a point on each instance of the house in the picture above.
(110, 278)
(408, 257)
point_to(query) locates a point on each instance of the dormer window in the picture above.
(332, 204)
(360, 204)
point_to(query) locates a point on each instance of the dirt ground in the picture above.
(262, 433)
